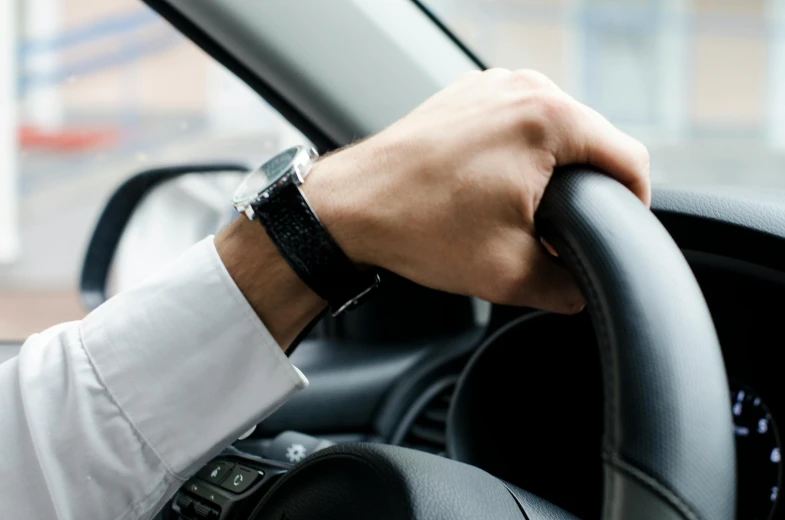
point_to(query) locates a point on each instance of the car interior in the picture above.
(661, 400)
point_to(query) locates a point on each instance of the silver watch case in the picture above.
(291, 165)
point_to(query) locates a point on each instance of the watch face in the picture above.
(265, 176)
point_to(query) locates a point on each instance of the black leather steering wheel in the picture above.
(668, 446)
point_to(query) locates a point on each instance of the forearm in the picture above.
(105, 418)
(278, 296)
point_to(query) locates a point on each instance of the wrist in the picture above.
(349, 191)
(344, 189)
(283, 302)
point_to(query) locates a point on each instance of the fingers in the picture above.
(542, 283)
(582, 135)
(619, 155)
(591, 139)
(551, 287)
(548, 247)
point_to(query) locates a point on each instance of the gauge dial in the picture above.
(757, 454)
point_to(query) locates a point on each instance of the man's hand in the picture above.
(446, 196)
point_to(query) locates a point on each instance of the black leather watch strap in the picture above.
(309, 249)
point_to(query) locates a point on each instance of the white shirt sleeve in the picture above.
(105, 418)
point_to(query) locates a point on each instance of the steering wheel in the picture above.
(668, 448)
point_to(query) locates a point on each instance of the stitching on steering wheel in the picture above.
(609, 366)
(601, 330)
(653, 484)
(608, 360)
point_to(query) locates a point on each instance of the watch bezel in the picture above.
(302, 161)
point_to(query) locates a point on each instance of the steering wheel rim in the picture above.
(668, 446)
(668, 443)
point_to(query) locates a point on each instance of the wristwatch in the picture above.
(271, 194)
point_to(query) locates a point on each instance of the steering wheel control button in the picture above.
(216, 471)
(292, 447)
(215, 497)
(240, 479)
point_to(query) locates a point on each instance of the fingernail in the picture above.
(549, 247)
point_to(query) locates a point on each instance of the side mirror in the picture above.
(151, 219)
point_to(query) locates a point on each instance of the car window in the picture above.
(101, 90)
(701, 82)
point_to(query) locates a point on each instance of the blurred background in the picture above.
(92, 92)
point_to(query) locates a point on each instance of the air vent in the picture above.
(424, 427)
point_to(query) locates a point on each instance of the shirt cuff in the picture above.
(187, 360)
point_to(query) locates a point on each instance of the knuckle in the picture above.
(545, 113)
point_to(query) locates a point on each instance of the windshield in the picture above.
(701, 82)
